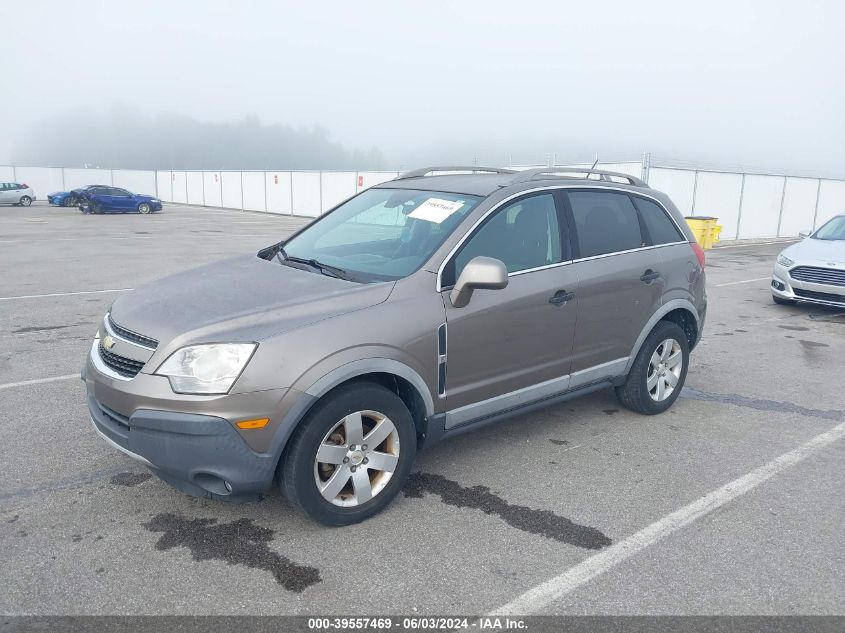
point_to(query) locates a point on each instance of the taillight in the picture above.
(24, 186)
(699, 252)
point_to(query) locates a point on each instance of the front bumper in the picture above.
(190, 442)
(785, 287)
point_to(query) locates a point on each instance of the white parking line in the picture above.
(64, 294)
(38, 381)
(542, 595)
(744, 281)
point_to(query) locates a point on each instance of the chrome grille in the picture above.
(134, 337)
(819, 275)
(126, 367)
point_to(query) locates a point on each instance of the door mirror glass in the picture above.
(480, 273)
(804, 234)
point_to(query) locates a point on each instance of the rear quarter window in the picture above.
(660, 227)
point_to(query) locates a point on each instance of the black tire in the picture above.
(296, 473)
(783, 302)
(25, 201)
(634, 394)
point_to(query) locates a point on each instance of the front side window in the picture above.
(605, 222)
(660, 228)
(833, 230)
(382, 234)
(524, 234)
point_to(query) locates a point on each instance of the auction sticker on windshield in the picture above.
(435, 210)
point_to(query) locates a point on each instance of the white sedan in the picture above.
(813, 270)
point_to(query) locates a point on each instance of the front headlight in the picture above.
(206, 369)
(783, 260)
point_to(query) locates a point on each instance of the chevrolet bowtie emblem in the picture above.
(108, 342)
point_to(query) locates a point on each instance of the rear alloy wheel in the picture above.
(26, 201)
(659, 371)
(350, 456)
(144, 208)
(69, 202)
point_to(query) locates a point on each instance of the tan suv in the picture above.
(432, 304)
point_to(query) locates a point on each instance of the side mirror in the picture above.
(480, 273)
(804, 234)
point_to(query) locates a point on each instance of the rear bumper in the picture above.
(785, 287)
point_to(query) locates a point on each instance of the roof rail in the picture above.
(532, 174)
(424, 171)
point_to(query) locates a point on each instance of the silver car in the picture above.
(419, 309)
(813, 270)
(16, 193)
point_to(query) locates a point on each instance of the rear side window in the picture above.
(660, 228)
(605, 222)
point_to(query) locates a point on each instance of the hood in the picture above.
(144, 197)
(241, 299)
(810, 250)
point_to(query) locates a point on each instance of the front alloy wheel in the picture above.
(357, 458)
(144, 208)
(350, 455)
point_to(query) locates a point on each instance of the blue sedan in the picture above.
(114, 200)
(71, 198)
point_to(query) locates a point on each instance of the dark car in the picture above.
(71, 198)
(103, 199)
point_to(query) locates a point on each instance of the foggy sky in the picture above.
(754, 84)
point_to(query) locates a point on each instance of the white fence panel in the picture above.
(179, 180)
(760, 206)
(213, 188)
(831, 200)
(337, 186)
(678, 184)
(279, 198)
(193, 180)
(76, 178)
(367, 179)
(7, 173)
(135, 180)
(253, 188)
(718, 195)
(306, 193)
(231, 189)
(42, 180)
(630, 168)
(799, 203)
(165, 186)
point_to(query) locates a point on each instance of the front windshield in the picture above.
(382, 234)
(833, 230)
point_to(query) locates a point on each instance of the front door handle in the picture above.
(561, 297)
(649, 275)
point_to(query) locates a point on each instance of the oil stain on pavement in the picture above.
(540, 522)
(761, 404)
(240, 542)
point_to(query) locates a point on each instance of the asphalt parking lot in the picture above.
(487, 518)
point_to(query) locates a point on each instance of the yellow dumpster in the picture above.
(705, 229)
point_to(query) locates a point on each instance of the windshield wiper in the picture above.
(326, 269)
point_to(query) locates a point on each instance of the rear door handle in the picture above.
(649, 275)
(561, 297)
